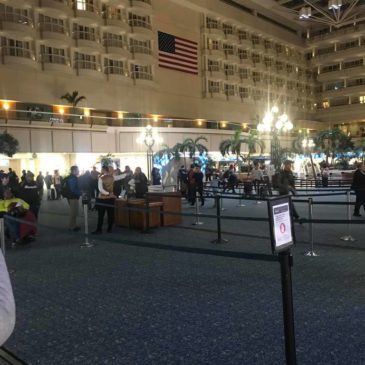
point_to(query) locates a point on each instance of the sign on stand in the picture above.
(281, 224)
(282, 239)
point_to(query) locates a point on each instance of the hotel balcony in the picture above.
(232, 96)
(231, 36)
(214, 54)
(214, 31)
(16, 24)
(339, 55)
(216, 93)
(232, 76)
(55, 32)
(340, 34)
(88, 12)
(142, 78)
(116, 23)
(50, 62)
(63, 7)
(341, 74)
(117, 74)
(88, 68)
(231, 56)
(116, 48)
(18, 56)
(354, 89)
(215, 73)
(141, 29)
(341, 113)
(143, 7)
(87, 41)
(245, 43)
(142, 54)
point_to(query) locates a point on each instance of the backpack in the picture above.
(65, 188)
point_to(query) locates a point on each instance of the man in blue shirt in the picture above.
(73, 198)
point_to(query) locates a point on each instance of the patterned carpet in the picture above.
(122, 303)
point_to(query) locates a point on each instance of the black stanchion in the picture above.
(86, 244)
(146, 229)
(286, 262)
(311, 232)
(219, 230)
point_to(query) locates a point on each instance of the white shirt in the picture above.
(7, 304)
(100, 183)
(257, 174)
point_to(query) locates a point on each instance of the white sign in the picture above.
(282, 224)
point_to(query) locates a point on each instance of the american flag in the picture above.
(177, 53)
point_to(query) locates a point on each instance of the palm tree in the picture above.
(73, 99)
(8, 144)
(193, 146)
(254, 140)
(233, 145)
(169, 152)
(332, 141)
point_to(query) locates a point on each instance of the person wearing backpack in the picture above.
(71, 191)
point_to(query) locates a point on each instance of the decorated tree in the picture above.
(8, 144)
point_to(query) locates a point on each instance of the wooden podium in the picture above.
(130, 218)
(171, 203)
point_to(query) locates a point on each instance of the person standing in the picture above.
(105, 201)
(156, 176)
(40, 184)
(73, 197)
(358, 185)
(48, 181)
(140, 183)
(29, 192)
(125, 182)
(257, 176)
(325, 172)
(286, 185)
(199, 184)
(57, 184)
(94, 182)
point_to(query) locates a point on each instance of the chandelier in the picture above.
(274, 121)
(336, 13)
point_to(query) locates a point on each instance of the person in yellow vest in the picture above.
(106, 199)
(16, 208)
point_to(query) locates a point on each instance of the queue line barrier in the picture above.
(218, 217)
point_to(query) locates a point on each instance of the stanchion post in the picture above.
(240, 204)
(311, 232)
(2, 235)
(197, 221)
(146, 229)
(286, 262)
(219, 229)
(86, 244)
(348, 237)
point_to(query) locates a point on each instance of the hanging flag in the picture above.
(177, 53)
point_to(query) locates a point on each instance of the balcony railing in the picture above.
(139, 23)
(14, 17)
(141, 49)
(115, 43)
(52, 27)
(115, 70)
(88, 36)
(17, 52)
(87, 65)
(58, 59)
(139, 75)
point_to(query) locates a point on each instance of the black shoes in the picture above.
(357, 215)
(76, 229)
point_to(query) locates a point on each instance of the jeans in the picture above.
(105, 205)
(74, 211)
